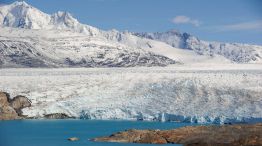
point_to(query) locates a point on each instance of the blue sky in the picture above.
(213, 20)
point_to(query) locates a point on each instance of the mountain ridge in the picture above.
(24, 27)
(250, 53)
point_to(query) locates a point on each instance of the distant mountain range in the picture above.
(235, 52)
(31, 38)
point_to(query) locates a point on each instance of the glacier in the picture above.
(223, 94)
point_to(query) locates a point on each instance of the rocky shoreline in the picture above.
(226, 135)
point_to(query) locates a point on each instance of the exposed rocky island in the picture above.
(226, 135)
(73, 139)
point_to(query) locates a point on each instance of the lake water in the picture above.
(56, 132)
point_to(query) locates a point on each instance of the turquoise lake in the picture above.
(56, 132)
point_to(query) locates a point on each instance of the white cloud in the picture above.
(254, 25)
(185, 20)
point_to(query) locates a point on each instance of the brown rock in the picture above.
(136, 136)
(230, 135)
(10, 109)
(8, 113)
(4, 99)
(152, 138)
(19, 102)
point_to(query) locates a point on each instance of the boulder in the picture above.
(8, 113)
(73, 139)
(19, 102)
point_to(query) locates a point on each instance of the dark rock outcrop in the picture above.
(227, 135)
(11, 109)
(57, 116)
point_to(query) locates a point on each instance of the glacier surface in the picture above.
(203, 94)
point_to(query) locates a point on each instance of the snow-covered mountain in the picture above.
(21, 15)
(239, 53)
(31, 38)
(59, 48)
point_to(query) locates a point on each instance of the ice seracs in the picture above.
(202, 94)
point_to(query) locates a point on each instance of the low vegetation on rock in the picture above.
(227, 135)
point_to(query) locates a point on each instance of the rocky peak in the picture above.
(21, 15)
(172, 32)
(64, 20)
(20, 3)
